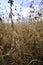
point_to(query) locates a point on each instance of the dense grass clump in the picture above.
(22, 44)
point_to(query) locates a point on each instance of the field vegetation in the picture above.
(21, 45)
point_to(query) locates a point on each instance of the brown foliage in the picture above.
(21, 45)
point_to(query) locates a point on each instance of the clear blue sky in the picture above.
(19, 3)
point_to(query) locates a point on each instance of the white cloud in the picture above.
(15, 17)
(26, 11)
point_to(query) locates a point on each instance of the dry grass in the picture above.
(21, 45)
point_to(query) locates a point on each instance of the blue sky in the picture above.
(24, 4)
